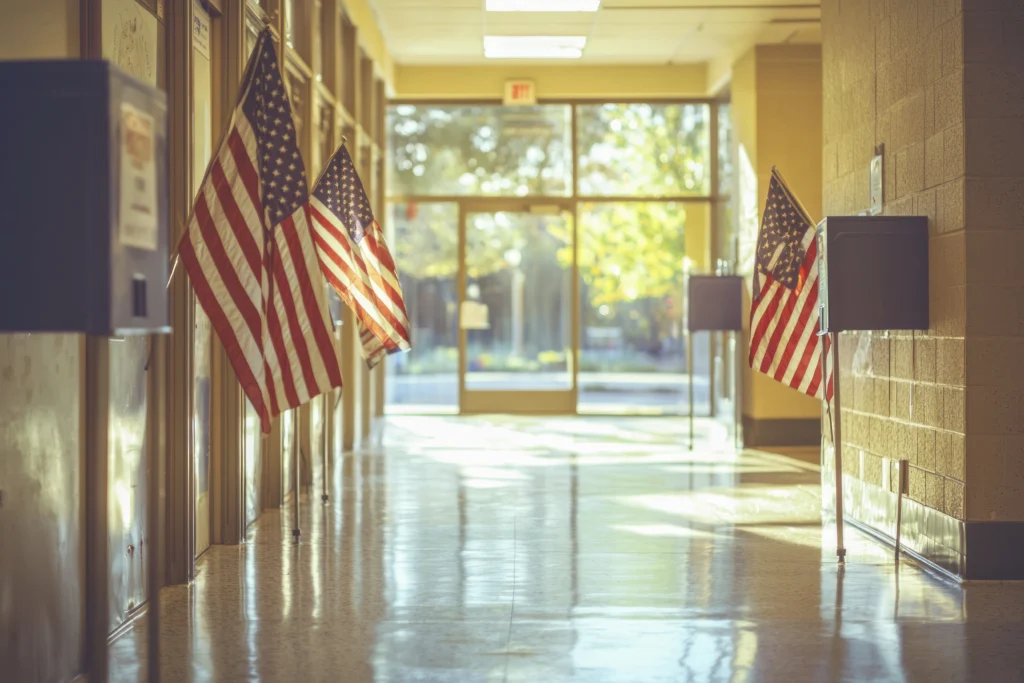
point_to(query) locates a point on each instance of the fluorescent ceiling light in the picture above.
(534, 47)
(543, 5)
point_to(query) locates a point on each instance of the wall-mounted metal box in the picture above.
(715, 303)
(873, 272)
(83, 220)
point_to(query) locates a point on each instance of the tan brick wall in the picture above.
(893, 74)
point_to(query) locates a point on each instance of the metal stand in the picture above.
(325, 470)
(97, 548)
(737, 381)
(155, 501)
(838, 443)
(901, 479)
(689, 375)
(297, 485)
(737, 399)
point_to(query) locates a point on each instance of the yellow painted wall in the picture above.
(698, 236)
(777, 113)
(371, 38)
(744, 104)
(474, 82)
(789, 119)
(39, 29)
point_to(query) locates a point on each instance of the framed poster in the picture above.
(129, 38)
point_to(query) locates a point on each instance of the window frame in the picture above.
(713, 197)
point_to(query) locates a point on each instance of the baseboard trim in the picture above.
(995, 551)
(884, 539)
(127, 624)
(774, 432)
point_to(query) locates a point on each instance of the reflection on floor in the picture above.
(570, 549)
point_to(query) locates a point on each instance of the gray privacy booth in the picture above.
(715, 304)
(84, 249)
(872, 276)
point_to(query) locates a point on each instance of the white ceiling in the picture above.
(449, 32)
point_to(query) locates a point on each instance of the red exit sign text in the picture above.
(520, 92)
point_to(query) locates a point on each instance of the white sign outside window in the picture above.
(138, 207)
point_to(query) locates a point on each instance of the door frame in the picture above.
(526, 402)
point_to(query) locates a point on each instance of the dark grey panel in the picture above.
(873, 272)
(715, 303)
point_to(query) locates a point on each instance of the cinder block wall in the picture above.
(993, 100)
(893, 75)
(938, 83)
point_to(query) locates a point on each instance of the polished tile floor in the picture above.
(570, 549)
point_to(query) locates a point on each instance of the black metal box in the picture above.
(83, 216)
(873, 272)
(715, 303)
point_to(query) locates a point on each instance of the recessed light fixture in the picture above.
(543, 5)
(534, 47)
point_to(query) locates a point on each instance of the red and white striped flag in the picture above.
(249, 252)
(356, 260)
(784, 315)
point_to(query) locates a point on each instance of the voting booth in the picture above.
(84, 245)
(872, 276)
(715, 304)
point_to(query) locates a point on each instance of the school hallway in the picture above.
(570, 549)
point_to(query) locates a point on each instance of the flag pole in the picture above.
(689, 375)
(835, 418)
(837, 440)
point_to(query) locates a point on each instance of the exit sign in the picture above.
(520, 92)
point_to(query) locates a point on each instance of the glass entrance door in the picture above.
(517, 320)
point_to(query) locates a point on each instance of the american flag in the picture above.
(249, 252)
(356, 260)
(784, 316)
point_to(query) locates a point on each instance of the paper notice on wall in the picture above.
(201, 29)
(475, 316)
(877, 186)
(138, 206)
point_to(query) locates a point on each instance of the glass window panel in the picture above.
(296, 27)
(480, 150)
(519, 268)
(366, 93)
(725, 166)
(347, 50)
(287, 452)
(424, 240)
(326, 46)
(253, 462)
(251, 35)
(325, 136)
(300, 107)
(317, 441)
(364, 165)
(632, 346)
(725, 229)
(644, 150)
